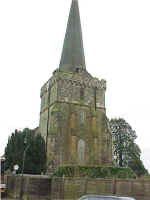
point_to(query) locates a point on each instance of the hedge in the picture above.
(94, 172)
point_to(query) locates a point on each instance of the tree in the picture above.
(123, 136)
(125, 150)
(2, 166)
(35, 159)
(135, 162)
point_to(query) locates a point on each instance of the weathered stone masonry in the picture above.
(73, 118)
(45, 188)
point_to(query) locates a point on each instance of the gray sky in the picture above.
(116, 38)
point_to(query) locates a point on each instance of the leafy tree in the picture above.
(134, 161)
(35, 157)
(123, 137)
(125, 150)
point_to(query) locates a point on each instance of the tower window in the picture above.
(77, 70)
(82, 94)
(81, 151)
(82, 117)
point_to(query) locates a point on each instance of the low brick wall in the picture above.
(45, 188)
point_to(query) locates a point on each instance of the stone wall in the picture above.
(33, 187)
(74, 188)
(45, 188)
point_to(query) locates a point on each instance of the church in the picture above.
(73, 118)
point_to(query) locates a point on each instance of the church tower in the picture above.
(73, 118)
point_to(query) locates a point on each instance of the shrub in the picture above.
(94, 172)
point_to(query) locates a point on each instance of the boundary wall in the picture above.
(46, 188)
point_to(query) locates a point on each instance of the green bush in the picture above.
(94, 172)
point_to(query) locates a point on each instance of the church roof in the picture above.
(73, 51)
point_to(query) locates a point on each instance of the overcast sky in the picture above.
(116, 38)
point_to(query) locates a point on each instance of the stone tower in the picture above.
(73, 118)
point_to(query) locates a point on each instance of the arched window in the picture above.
(81, 151)
(82, 117)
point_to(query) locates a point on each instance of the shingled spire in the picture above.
(73, 51)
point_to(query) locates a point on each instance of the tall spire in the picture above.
(73, 51)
